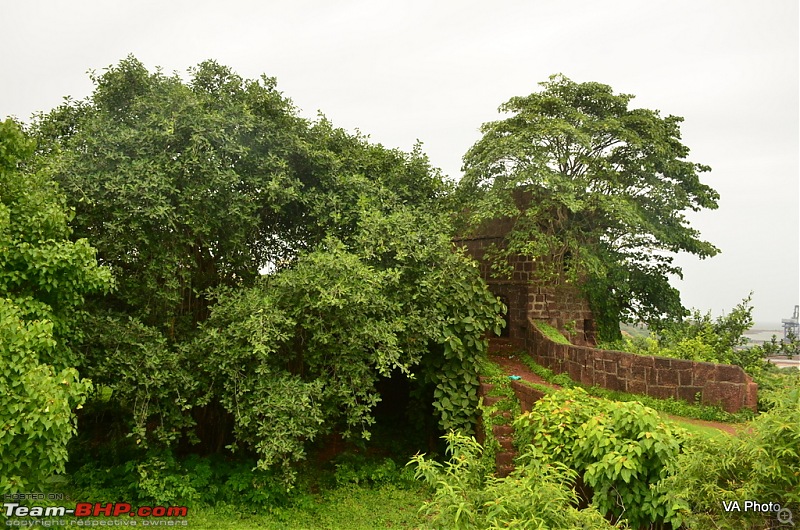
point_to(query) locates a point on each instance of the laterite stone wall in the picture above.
(661, 377)
(561, 306)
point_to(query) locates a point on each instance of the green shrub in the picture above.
(161, 478)
(620, 450)
(357, 469)
(762, 464)
(467, 496)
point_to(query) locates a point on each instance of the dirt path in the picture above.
(512, 365)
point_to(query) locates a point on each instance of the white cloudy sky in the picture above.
(434, 71)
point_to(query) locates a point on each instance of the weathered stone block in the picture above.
(574, 370)
(689, 393)
(502, 430)
(661, 392)
(491, 400)
(727, 395)
(636, 387)
(505, 458)
(703, 372)
(751, 397)
(526, 395)
(647, 361)
(685, 377)
(583, 356)
(666, 377)
(610, 366)
(614, 383)
(662, 363)
(730, 374)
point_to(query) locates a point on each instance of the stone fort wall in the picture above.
(564, 307)
(724, 385)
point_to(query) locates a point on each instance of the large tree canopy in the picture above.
(266, 265)
(596, 187)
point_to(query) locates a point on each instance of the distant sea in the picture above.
(759, 334)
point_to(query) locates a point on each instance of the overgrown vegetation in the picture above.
(467, 495)
(620, 451)
(551, 333)
(218, 297)
(44, 277)
(762, 463)
(270, 270)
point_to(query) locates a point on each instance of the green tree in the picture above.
(180, 186)
(43, 279)
(329, 256)
(597, 189)
(303, 349)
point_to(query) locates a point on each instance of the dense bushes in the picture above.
(302, 350)
(761, 464)
(620, 450)
(632, 466)
(466, 495)
(270, 270)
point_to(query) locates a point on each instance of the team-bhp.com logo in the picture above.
(85, 512)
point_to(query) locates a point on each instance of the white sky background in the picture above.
(435, 71)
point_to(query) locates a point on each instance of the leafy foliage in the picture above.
(179, 186)
(43, 278)
(467, 495)
(620, 450)
(762, 463)
(327, 328)
(162, 478)
(597, 190)
(270, 269)
(36, 401)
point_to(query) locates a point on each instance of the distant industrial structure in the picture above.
(791, 326)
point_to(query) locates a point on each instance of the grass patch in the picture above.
(349, 507)
(489, 369)
(703, 431)
(550, 332)
(546, 390)
(353, 491)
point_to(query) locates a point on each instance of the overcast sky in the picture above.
(434, 71)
